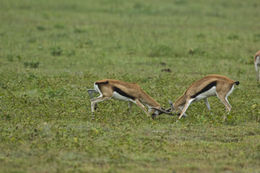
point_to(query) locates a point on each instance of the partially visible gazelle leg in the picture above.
(130, 106)
(187, 104)
(207, 103)
(257, 72)
(96, 100)
(139, 104)
(257, 67)
(223, 95)
(259, 75)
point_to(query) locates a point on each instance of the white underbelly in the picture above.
(117, 96)
(210, 92)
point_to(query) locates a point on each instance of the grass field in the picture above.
(51, 52)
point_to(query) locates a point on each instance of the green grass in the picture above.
(52, 51)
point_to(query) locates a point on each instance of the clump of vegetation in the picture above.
(161, 50)
(233, 37)
(41, 28)
(56, 51)
(79, 30)
(31, 64)
(196, 51)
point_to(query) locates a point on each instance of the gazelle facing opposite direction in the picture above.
(211, 85)
(131, 92)
(257, 65)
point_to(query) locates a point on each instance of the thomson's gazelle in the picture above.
(211, 85)
(257, 65)
(110, 88)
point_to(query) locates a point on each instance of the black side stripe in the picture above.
(119, 91)
(206, 88)
(106, 82)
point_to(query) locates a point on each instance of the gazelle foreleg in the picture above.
(139, 104)
(96, 100)
(187, 104)
(181, 108)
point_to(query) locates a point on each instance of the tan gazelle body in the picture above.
(131, 92)
(211, 85)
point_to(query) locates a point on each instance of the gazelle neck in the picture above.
(180, 101)
(149, 101)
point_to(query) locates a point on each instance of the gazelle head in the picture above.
(157, 111)
(171, 106)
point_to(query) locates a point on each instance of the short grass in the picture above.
(52, 51)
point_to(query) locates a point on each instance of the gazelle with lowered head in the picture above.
(257, 65)
(211, 85)
(131, 92)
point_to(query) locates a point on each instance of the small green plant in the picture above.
(56, 51)
(10, 58)
(41, 28)
(161, 50)
(233, 37)
(79, 30)
(196, 51)
(31, 64)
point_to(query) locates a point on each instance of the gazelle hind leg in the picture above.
(228, 107)
(224, 100)
(187, 104)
